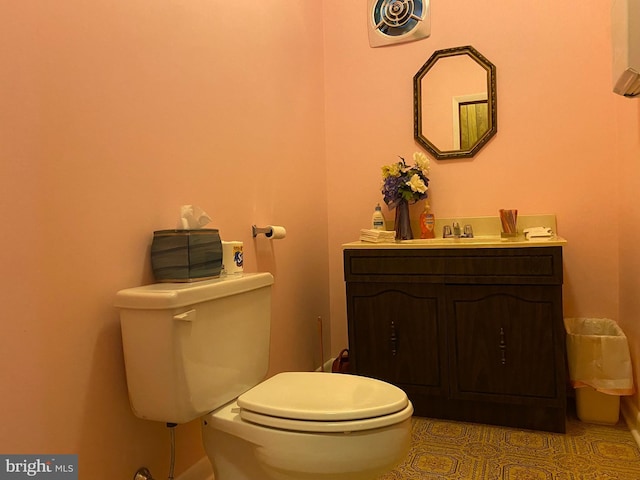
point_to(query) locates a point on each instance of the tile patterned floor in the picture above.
(447, 450)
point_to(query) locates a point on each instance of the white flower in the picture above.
(422, 162)
(416, 184)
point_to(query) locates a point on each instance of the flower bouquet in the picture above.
(403, 184)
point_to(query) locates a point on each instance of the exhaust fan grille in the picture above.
(398, 21)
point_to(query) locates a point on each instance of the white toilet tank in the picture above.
(189, 348)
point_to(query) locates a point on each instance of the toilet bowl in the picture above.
(201, 350)
(320, 426)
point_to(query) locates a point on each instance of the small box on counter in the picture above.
(186, 255)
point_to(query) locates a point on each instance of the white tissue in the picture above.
(192, 217)
(377, 236)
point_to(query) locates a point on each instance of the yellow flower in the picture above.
(392, 170)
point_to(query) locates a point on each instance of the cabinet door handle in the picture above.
(393, 339)
(503, 348)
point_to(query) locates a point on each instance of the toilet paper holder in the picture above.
(268, 231)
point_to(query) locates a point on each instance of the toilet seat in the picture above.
(318, 426)
(324, 402)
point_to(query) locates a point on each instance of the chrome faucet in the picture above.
(453, 231)
(468, 231)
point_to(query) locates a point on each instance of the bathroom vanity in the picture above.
(471, 330)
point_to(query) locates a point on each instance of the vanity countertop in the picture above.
(487, 235)
(476, 242)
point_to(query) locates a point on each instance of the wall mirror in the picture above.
(454, 103)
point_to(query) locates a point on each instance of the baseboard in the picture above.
(632, 417)
(201, 470)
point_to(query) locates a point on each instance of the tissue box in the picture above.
(186, 255)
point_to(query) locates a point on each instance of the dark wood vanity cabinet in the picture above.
(472, 334)
(398, 328)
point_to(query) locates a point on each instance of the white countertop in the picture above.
(476, 242)
(487, 235)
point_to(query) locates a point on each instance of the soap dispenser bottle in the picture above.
(378, 221)
(427, 223)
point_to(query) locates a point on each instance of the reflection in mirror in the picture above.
(470, 122)
(455, 103)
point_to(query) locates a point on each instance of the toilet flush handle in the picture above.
(188, 316)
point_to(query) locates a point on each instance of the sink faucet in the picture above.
(453, 231)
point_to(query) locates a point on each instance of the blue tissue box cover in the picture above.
(186, 255)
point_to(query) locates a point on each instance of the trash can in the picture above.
(599, 368)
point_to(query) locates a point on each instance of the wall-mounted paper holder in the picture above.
(258, 230)
(274, 232)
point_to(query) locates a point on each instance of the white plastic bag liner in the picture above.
(598, 355)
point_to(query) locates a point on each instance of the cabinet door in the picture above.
(394, 333)
(503, 340)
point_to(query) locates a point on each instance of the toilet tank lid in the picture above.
(159, 296)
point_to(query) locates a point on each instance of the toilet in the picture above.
(201, 350)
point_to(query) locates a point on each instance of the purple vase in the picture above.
(403, 224)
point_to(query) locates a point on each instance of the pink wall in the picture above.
(112, 115)
(557, 149)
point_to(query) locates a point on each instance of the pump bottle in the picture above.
(377, 220)
(427, 223)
